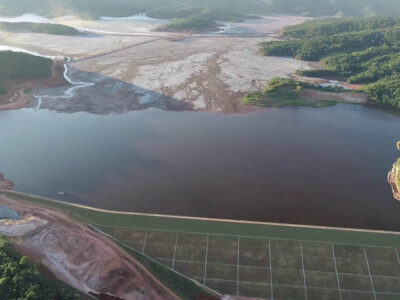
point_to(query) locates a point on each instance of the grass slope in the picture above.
(281, 92)
(182, 286)
(217, 227)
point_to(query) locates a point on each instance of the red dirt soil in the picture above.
(83, 258)
(17, 98)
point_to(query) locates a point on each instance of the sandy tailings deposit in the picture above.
(78, 256)
(136, 68)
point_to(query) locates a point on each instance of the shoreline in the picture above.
(105, 270)
(189, 218)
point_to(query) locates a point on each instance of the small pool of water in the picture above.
(8, 213)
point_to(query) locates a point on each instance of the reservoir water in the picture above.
(293, 165)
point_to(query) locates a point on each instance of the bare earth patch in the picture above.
(142, 68)
(392, 181)
(78, 256)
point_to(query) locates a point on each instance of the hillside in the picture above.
(194, 18)
(21, 279)
(188, 8)
(47, 28)
(18, 65)
(359, 50)
(191, 24)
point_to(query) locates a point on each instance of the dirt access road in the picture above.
(80, 257)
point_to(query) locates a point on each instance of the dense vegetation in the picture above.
(385, 91)
(14, 65)
(359, 50)
(18, 65)
(187, 8)
(281, 92)
(39, 28)
(21, 280)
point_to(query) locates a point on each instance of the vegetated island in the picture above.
(20, 73)
(47, 28)
(363, 51)
(394, 177)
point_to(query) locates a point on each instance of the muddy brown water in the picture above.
(294, 165)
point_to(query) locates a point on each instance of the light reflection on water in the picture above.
(293, 165)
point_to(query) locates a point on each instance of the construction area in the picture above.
(271, 268)
(245, 259)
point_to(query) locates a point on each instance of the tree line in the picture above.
(16, 65)
(347, 50)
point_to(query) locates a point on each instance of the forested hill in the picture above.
(189, 8)
(18, 65)
(330, 26)
(47, 28)
(362, 50)
(21, 279)
(316, 39)
(191, 24)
